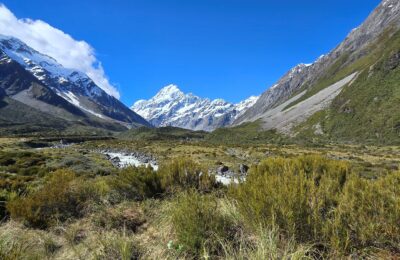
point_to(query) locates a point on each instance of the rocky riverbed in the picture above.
(227, 176)
(122, 159)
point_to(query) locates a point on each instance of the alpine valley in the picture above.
(310, 169)
(348, 95)
(351, 94)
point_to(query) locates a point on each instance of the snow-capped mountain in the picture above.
(171, 107)
(73, 86)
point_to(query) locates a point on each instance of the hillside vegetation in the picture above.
(367, 110)
(162, 133)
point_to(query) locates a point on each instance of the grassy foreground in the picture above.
(72, 204)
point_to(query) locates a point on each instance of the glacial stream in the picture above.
(123, 160)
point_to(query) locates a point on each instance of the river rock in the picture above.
(243, 168)
(223, 169)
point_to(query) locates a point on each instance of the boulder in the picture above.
(116, 160)
(223, 169)
(243, 168)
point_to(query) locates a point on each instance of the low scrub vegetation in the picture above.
(199, 225)
(61, 198)
(322, 202)
(183, 174)
(135, 184)
(302, 207)
(162, 134)
(247, 133)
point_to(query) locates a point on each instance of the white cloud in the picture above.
(51, 41)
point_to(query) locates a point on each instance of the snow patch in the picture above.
(75, 101)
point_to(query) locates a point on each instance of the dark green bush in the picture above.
(24, 159)
(6, 161)
(20, 168)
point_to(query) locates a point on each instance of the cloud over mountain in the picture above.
(78, 55)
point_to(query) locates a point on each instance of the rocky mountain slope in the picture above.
(368, 59)
(171, 107)
(39, 82)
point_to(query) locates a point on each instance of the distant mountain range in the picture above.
(32, 82)
(351, 94)
(171, 107)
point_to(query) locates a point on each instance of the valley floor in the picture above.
(75, 202)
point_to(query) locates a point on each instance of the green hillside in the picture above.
(367, 110)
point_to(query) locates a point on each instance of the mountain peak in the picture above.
(169, 92)
(172, 107)
(170, 89)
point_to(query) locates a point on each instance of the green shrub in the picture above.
(6, 161)
(135, 183)
(62, 197)
(319, 201)
(368, 214)
(199, 224)
(23, 159)
(183, 174)
(296, 195)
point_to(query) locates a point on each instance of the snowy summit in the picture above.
(171, 107)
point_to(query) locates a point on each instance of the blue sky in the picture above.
(227, 49)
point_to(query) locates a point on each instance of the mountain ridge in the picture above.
(171, 107)
(73, 86)
(358, 52)
(58, 98)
